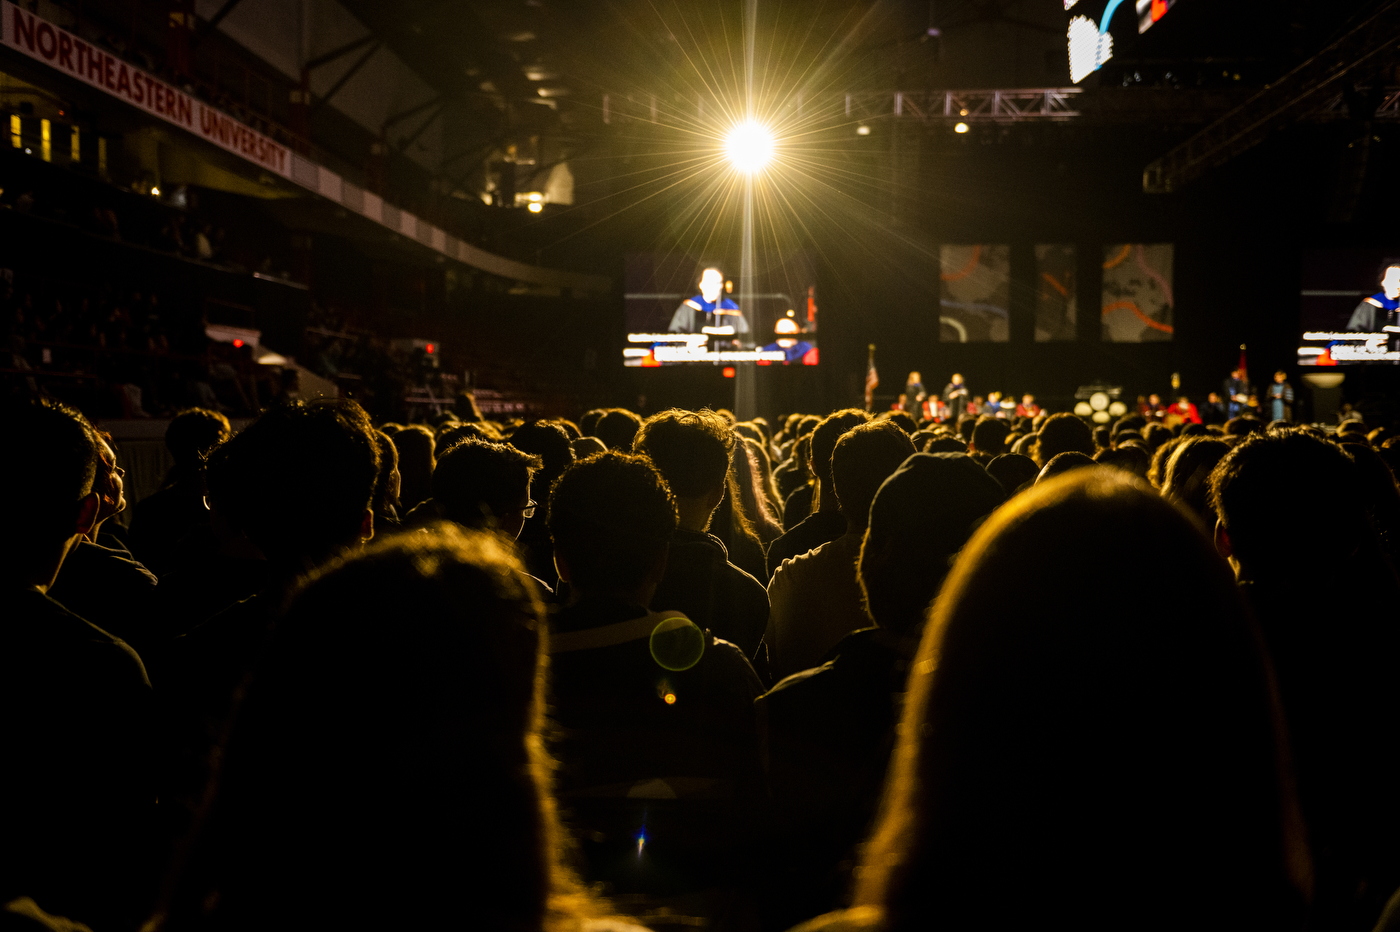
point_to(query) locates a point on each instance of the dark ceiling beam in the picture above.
(432, 118)
(1277, 105)
(344, 79)
(214, 21)
(399, 117)
(333, 54)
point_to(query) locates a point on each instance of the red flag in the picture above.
(1244, 370)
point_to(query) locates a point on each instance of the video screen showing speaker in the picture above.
(1350, 307)
(686, 309)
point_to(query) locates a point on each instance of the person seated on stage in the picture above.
(795, 349)
(1151, 408)
(831, 728)
(161, 520)
(1063, 433)
(710, 308)
(76, 708)
(1182, 411)
(826, 522)
(1382, 308)
(1070, 765)
(1214, 411)
(1334, 666)
(659, 761)
(1028, 407)
(815, 598)
(692, 451)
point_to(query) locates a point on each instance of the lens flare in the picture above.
(749, 146)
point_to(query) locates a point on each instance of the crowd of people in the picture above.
(831, 672)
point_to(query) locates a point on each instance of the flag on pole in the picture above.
(872, 380)
(1244, 370)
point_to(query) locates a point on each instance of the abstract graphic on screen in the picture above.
(684, 308)
(1138, 303)
(1055, 292)
(1350, 307)
(974, 294)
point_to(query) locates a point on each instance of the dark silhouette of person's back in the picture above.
(79, 808)
(691, 450)
(658, 747)
(1335, 661)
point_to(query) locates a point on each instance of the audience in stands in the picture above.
(335, 735)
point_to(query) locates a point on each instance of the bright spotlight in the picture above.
(749, 146)
(862, 130)
(960, 128)
(536, 207)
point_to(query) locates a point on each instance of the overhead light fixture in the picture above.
(961, 128)
(536, 207)
(749, 146)
(862, 130)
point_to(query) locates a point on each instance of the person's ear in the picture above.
(87, 513)
(1222, 540)
(367, 526)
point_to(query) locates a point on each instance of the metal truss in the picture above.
(973, 106)
(1387, 107)
(1293, 97)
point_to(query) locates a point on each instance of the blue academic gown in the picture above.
(685, 319)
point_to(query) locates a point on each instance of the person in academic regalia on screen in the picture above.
(796, 349)
(1381, 308)
(710, 308)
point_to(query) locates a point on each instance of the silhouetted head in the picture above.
(1063, 433)
(485, 485)
(921, 517)
(298, 480)
(1259, 487)
(193, 433)
(1063, 463)
(617, 428)
(1068, 764)
(864, 457)
(47, 473)
(405, 685)
(612, 518)
(824, 438)
(1012, 470)
(691, 450)
(989, 435)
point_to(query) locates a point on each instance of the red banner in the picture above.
(77, 58)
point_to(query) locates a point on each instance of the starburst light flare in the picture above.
(749, 146)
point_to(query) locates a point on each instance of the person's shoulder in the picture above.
(41, 625)
(856, 919)
(793, 685)
(727, 660)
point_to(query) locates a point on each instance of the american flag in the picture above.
(872, 381)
